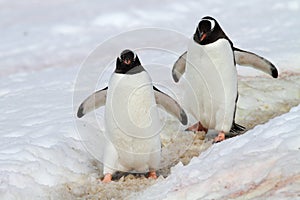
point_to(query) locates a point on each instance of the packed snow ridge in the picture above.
(262, 163)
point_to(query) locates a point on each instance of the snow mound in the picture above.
(38, 147)
(42, 156)
(262, 163)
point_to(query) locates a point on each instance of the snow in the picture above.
(262, 163)
(38, 149)
(45, 152)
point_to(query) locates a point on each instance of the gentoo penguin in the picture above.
(209, 67)
(132, 123)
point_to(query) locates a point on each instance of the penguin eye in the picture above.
(122, 57)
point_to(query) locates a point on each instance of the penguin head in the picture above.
(208, 31)
(127, 61)
(127, 57)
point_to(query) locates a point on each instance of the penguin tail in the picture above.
(236, 129)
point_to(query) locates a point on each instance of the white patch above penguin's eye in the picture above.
(134, 55)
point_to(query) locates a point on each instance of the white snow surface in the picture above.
(262, 163)
(43, 45)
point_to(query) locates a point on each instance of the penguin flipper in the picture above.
(251, 59)
(94, 101)
(179, 67)
(170, 105)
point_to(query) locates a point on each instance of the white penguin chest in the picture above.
(214, 57)
(212, 74)
(132, 121)
(130, 104)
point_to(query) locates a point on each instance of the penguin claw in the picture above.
(236, 128)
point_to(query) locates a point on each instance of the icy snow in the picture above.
(42, 155)
(38, 147)
(262, 163)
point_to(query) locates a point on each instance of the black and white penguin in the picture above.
(209, 67)
(132, 122)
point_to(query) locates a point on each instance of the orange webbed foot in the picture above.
(220, 137)
(197, 127)
(107, 178)
(152, 175)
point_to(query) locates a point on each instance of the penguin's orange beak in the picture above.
(202, 36)
(127, 61)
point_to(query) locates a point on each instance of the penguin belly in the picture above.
(132, 122)
(212, 76)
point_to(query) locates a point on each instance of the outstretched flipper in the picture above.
(94, 101)
(248, 58)
(170, 105)
(179, 67)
